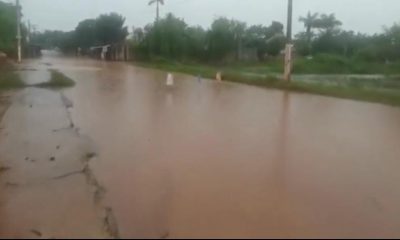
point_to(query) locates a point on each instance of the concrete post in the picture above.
(289, 45)
(288, 62)
(19, 51)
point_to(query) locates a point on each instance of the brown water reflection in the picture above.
(208, 159)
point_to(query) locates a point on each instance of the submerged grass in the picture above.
(57, 80)
(11, 79)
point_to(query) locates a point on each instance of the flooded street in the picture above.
(207, 159)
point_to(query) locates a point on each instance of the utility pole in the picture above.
(158, 10)
(28, 37)
(289, 21)
(289, 45)
(18, 31)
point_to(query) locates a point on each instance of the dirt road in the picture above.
(201, 159)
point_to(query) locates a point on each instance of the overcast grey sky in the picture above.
(367, 16)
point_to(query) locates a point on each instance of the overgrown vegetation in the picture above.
(9, 78)
(323, 47)
(57, 80)
(8, 26)
(227, 40)
(105, 29)
(231, 41)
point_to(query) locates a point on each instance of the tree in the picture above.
(171, 36)
(85, 33)
(302, 45)
(138, 35)
(384, 47)
(196, 42)
(392, 36)
(239, 29)
(110, 28)
(221, 39)
(65, 41)
(167, 38)
(256, 39)
(106, 29)
(327, 40)
(309, 23)
(8, 26)
(327, 23)
(157, 2)
(48, 39)
(267, 40)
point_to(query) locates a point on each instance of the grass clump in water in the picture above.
(57, 80)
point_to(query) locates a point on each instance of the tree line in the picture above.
(8, 28)
(323, 34)
(172, 38)
(225, 40)
(103, 30)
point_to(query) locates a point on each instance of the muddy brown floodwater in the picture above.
(208, 159)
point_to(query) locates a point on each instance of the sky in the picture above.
(365, 16)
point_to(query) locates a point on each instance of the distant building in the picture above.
(32, 51)
(112, 52)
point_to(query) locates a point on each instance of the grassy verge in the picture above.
(323, 64)
(235, 74)
(57, 80)
(9, 79)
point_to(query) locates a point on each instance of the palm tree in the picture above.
(157, 2)
(328, 23)
(309, 23)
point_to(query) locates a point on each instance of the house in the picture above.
(112, 52)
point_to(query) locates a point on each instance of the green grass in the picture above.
(321, 64)
(57, 80)
(9, 79)
(384, 96)
(236, 74)
(335, 64)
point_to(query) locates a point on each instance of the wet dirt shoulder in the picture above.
(4, 103)
(46, 184)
